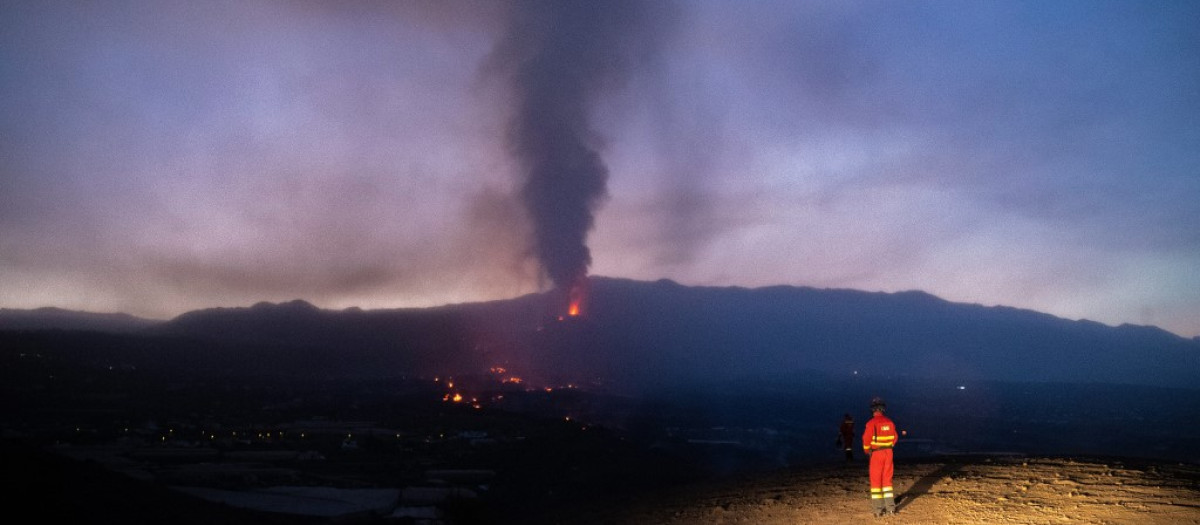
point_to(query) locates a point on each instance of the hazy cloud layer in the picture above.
(165, 156)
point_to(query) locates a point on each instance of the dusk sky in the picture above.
(162, 156)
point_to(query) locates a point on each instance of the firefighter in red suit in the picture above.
(878, 440)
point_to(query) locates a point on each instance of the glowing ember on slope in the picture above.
(504, 376)
(576, 297)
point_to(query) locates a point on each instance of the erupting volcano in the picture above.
(560, 58)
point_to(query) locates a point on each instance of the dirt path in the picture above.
(968, 491)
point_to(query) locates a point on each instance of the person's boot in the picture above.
(877, 509)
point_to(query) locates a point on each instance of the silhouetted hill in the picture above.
(59, 319)
(698, 331)
(637, 334)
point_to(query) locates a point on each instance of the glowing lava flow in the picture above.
(576, 296)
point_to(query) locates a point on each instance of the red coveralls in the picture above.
(878, 440)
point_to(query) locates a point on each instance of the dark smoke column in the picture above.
(561, 56)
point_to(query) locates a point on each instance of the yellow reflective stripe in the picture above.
(876, 496)
(876, 490)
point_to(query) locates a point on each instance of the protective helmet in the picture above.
(877, 404)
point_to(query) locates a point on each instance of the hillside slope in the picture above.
(950, 491)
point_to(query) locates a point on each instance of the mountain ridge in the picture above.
(52, 318)
(656, 333)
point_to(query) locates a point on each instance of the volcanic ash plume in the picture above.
(561, 56)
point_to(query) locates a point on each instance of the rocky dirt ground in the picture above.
(965, 490)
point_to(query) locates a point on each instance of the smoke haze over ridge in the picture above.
(166, 156)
